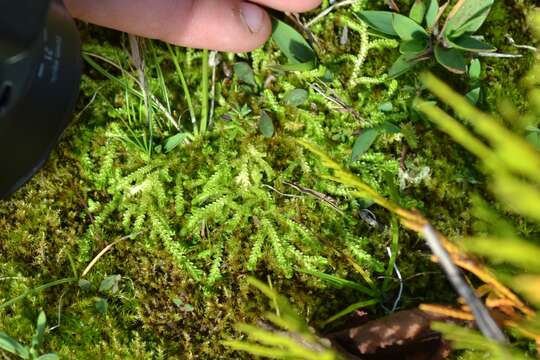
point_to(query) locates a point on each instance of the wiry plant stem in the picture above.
(138, 62)
(205, 92)
(483, 319)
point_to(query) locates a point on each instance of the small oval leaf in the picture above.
(174, 141)
(403, 64)
(292, 44)
(244, 73)
(467, 16)
(41, 324)
(413, 46)
(475, 69)
(431, 14)
(363, 143)
(101, 306)
(452, 59)
(418, 11)
(84, 284)
(468, 43)
(533, 136)
(389, 128)
(474, 95)
(296, 97)
(7, 343)
(386, 107)
(110, 284)
(408, 29)
(266, 125)
(380, 21)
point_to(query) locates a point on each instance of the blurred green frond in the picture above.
(290, 339)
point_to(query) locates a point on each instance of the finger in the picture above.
(225, 25)
(290, 5)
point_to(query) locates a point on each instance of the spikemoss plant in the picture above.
(200, 225)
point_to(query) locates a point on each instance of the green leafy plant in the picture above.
(367, 138)
(12, 346)
(423, 35)
(474, 95)
(533, 136)
(299, 53)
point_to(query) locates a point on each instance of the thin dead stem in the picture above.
(328, 10)
(103, 252)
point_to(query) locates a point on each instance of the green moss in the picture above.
(205, 216)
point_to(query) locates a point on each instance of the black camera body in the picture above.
(40, 71)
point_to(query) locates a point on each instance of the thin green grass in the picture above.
(187, 92)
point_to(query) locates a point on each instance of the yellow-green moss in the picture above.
(75, 206)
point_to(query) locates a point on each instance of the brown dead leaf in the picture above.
(405, 335)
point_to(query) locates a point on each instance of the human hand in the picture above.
(225, 25)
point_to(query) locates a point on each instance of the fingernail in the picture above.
(252, 15)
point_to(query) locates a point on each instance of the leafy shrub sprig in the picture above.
(423, 35)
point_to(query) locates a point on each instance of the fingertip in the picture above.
(259, 25)
(253, 16)
(306, 5)
(223, 25)
(291, 6)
